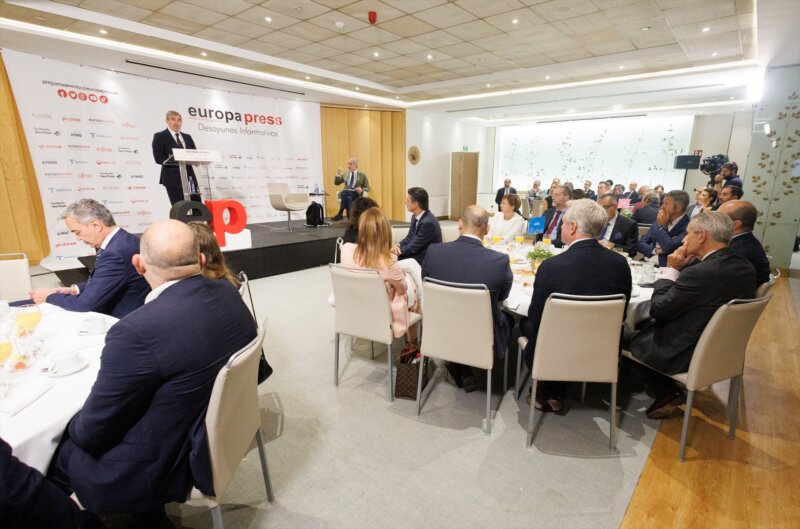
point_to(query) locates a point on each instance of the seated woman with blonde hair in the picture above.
(214, 266)
(373, 251)
(507, 223)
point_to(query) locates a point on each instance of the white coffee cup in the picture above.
(93, 324)
(66, 362)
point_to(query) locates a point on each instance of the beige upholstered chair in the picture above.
(538, 205)
(578, 340)
(362, 311)
(233, 423)
(458, 328)
(450, 232)
(719, 355)
(643, 229)
(338, 250)
(282, 199)
(525, 206)
(399, 233)
(15, 276)
(763, 288)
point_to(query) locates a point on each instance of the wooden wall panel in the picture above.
(398, 165)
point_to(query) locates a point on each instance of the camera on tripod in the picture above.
(712, 165)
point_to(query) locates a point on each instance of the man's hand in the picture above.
(40, 294)
(396, 250)
(678, 259)
(718, 178)
(663, 217)
(358, 190)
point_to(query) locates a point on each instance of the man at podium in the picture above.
(163, 143)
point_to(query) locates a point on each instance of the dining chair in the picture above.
(362, 311)
(281, 199)
(525, 206)
(458, 328)
(719, 355)
(765, 287)
(233, 423)
(244, 287)
(578, 341)
(643, 229)
(399, 233)
(15, 276)
(538, 205)
(338, 250)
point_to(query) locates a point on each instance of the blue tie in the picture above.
(350, 182)
(413, 229)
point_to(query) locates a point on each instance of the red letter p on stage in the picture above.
(237, 218)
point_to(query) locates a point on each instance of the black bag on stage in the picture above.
(314, 215)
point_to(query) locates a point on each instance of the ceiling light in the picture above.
(376, 54)
(430, 56)
(339, 24)
(754, 90)
(204, 54)
(645, 28)
(714, 54)
(357, 89)
(366, 106)
(767, 129)
(570, 110)
(547, 77)
(621, 67)
(267, 19)
(706, 29)
(616, 107)
(38, 18)
(308, 78)
(104, 32)
(731, 97)
(515, 21)
(488, 85)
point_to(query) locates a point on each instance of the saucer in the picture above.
(85, 332)
(78, 367)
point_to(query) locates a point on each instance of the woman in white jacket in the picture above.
(507, 223)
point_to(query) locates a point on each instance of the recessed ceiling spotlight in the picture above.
(397, 97)
(37, 17)
(515, 21)
(339, 24)
(267, 19)
(616, 107)
(488, 85)
(547, 77)
(714, 54)
(645, 28)
(204, 54)
(357, 89)
(104, 32)
(706, 29)
(308, 78)
(376, 54)
(429, 56)
(366, 106)
(731, 97)
(621, 67)
(570, 110)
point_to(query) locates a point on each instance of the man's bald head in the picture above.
(474, 221)
(742, 211)
(169, 249)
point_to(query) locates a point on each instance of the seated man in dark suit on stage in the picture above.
(465, 260)
(744, 216)
(620, 231)
(648, 211)
(554, 215)
(585, 269)
(128, 449)
(684, 300)
(114, 287)
(667, 233)
(424, 229)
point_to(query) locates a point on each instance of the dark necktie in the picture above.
(178, 139)
(553, 225)
(413, 229)
(351, 181)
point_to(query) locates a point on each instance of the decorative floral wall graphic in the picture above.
(587, 164)
(567, 155)
(669, 150)
(633, 152)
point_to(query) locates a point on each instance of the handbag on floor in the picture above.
(405, 384)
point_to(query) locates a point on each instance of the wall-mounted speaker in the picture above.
(687, 162)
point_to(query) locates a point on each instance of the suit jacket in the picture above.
(163, 143)
(681, 309)
(669, 240)
(585, 269)
(501, 192)
(548, 218)
(750, 248)
(465, 260)
(128, 448)
(361, 180)
(625, 234)
(646, 214)
(114, 286)
(632, 195)
(421, 234)
(591, 195)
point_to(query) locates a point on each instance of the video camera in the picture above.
(712, 165)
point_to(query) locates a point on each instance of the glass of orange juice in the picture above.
(27, 317)
(496, 239)
(546, 240)
(519, 239)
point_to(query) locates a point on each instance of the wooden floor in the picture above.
(752, 481)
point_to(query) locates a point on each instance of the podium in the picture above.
(194, 157)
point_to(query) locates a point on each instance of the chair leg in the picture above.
(336, 360)
(505, 374)
(687, 413)
(216, 517)
(530, 415)
(488, 429)
(264, 466)
(517, 381)
(372, 349)
(289, 220)
(419, 383)
(391, 377)
(583, 392)
(612, 432)
(733, 405)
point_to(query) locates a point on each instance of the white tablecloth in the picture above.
(35, 431)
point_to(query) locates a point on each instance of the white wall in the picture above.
(437, 137)
(720, 134)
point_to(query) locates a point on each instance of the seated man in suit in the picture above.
(586, 269)
(128, 449)
(744, 216)
(727, 194)
(631, 193)
(667, 233)
(465, 260)
(355, 185)
(648, 211)
(424, 229)
(587, 189)
(114, 287)
(684, 300)
(554, 215)
(620, 230)
(505, 190)
(163, 143)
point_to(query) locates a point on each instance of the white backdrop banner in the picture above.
(90, 132)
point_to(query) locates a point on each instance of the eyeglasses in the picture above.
(609, 206)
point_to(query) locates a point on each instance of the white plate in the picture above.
(84, 332)
(78, 367)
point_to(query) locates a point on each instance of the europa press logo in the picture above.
(81, 96)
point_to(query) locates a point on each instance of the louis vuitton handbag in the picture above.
(405, 385)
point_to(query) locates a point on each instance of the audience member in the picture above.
(507, 223)
(578, 194)
(619, 230)
(355, 184)
(667, 232)
(728, 176)
(128, 449)
(372, 250)
(587, 189)
(114, 287)
(648, 211)
(554, 184)
(212, 265)
(643, 190)
(535, 192)
(729, 193)
(631, 193)
(705, 198)
(684, 300)
(618, 191)
(586, 269)
(503, 191)
(360, 205)
(609, 183)
(424, 229)
(465, 260)
(659, 189)
(553, 217)
(602, 189)
(744, 216)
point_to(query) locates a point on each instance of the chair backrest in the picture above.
(399, 233)
(719, 353)
(277, 195)
(579, 338)
(450, 232)
(233, 418)
(458, 323)
(244, 287)
(643, 229)
(362, 305)
(525, 205)
(338, 249)
(15, 276)
(538, 205)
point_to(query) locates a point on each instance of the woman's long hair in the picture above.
(214, 267)
(374, 241)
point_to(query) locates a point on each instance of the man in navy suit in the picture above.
(667, 233)
(554, 215)
(128, 449)
(631, 193)
(648, 211)
(619, 230)
(163, 143)
(744, 216)
(114, 287)
(585, 269)
(424, 229)
(465, 260)
(505, 190)
(684, 300)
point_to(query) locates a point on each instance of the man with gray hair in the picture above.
(585, 268)
(667, 232)
(684, 300)
(138, 441)
(114, 287)
(647, 212)
(355, 185)
(744, 215)
(163, 143)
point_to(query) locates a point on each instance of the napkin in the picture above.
(23, 396)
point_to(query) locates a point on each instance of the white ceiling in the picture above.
(560, 56)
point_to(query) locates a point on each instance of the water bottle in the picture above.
(316, 189)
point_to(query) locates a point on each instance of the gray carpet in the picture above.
(346, 458)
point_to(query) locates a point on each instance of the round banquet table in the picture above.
(35, 430)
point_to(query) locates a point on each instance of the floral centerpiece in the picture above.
(537, 255)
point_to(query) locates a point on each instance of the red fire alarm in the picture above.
(373, 17)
